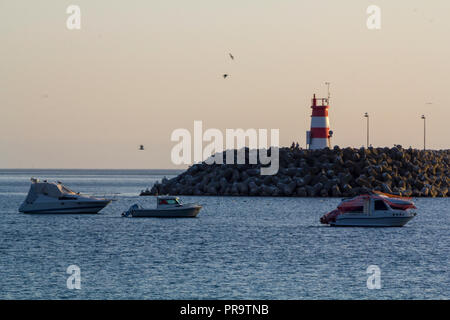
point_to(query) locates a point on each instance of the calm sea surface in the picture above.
(237, 247)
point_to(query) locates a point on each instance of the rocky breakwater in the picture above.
(321, 173)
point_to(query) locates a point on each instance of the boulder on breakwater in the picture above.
(321, 173)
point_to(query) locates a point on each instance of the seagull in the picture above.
(231, 56)
(225, 75)
(141, 147)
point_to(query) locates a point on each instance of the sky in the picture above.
(137, 70)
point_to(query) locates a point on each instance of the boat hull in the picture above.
(88, 207)
(189, 212)
(371, 221)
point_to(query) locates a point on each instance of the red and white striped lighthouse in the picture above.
(320, 134)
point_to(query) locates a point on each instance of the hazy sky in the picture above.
(137, 70)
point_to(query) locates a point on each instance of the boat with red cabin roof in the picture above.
(372, 210)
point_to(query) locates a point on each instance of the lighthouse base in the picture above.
(319, 143)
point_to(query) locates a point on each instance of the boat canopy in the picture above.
(353, 203)
(356, 202)
(50, 189)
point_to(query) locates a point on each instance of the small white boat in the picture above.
(371, 210)
(167, 207)
(53, 197)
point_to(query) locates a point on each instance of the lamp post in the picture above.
(366, 115)
(424, 131)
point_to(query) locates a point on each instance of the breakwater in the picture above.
(321, 173)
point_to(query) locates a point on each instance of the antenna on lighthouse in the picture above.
(328, 87)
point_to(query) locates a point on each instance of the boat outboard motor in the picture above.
(130, 210)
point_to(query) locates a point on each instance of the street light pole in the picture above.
(424, 132)
(366, 115)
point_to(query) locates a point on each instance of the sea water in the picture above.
(237, 247)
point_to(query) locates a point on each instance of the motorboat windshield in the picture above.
(168, 201)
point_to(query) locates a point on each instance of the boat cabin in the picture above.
(368, 205)
(49, 189)
(168, 201)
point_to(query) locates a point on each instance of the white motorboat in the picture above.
(53, 197)
(166, 207)
(371, 210)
